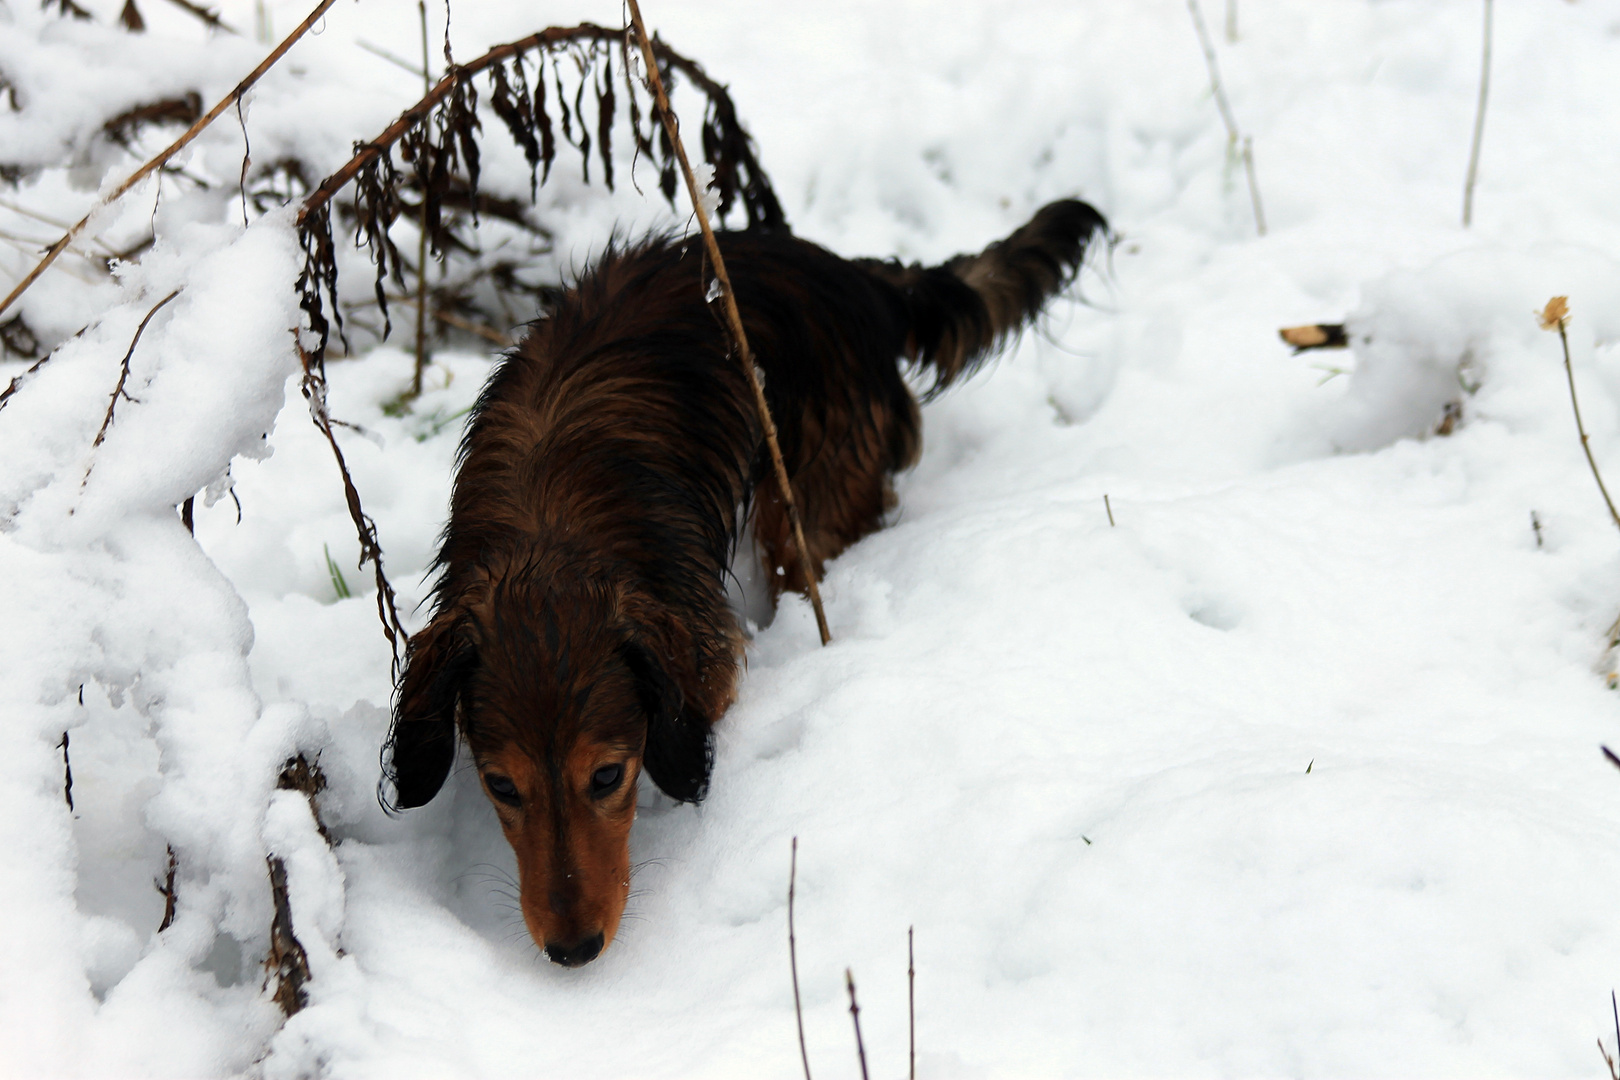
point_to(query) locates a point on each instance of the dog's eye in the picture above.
(502, 788)
(605, 780)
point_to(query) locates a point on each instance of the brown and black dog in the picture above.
(581, 634)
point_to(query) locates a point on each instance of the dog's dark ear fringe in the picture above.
(679, 752)
(421, 744)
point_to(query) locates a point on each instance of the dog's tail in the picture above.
(962, 310)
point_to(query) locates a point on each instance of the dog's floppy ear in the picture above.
(679, 752)
(421, 745)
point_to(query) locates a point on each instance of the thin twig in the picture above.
(67, 772)
(1615, 1006)
(313, 387)
(733, 318)
(200, 12)
(1110, 511)
(1479, 122)
(166, 890)
(1560, 318)
(123, 371)
(379, 51)
(450, 318)
(1236, 144)
(422, 236)
(288, 963)
(855, 1015)
(1231, 22)
(793, 958)
(17, 381)
(162, 158)
(1254, 185)
(911, 1000)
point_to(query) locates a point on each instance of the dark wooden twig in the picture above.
(287, 961)
(855, 1016)
(733, 319)
(1110, 509)
(300, 774)
(793, 957)
(123, 371)
(422, 238)
(162, 158)
(313, 387)
(167, 891)
(1614, 1004)
(67, 771)
(197, 11)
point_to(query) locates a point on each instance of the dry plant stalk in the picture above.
(1555, 316)
(855, 1015)
(422, 237)
(438, 140)
(299, 774)
(793, 956)
(199, 12)
(162, 158)
(287, 962)
(67, 772)
(1237, 143)
(313, 387)
(1614, 1068)
(1479, 123)
(167, 891)
(17, 381)
(739, 337)
(911, 1000)
(123, 373)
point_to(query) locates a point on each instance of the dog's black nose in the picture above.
(575, 953)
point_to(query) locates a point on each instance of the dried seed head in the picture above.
(1555, 314)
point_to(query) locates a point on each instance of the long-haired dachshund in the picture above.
(581, 634)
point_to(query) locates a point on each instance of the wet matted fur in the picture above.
(581, 633)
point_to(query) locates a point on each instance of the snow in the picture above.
(1290, 769)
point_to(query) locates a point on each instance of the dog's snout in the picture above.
(576, 953)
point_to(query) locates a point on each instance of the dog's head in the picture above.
(565, 698)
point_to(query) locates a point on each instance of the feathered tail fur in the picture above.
(963, 309)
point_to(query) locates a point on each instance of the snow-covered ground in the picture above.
(1290, 769)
